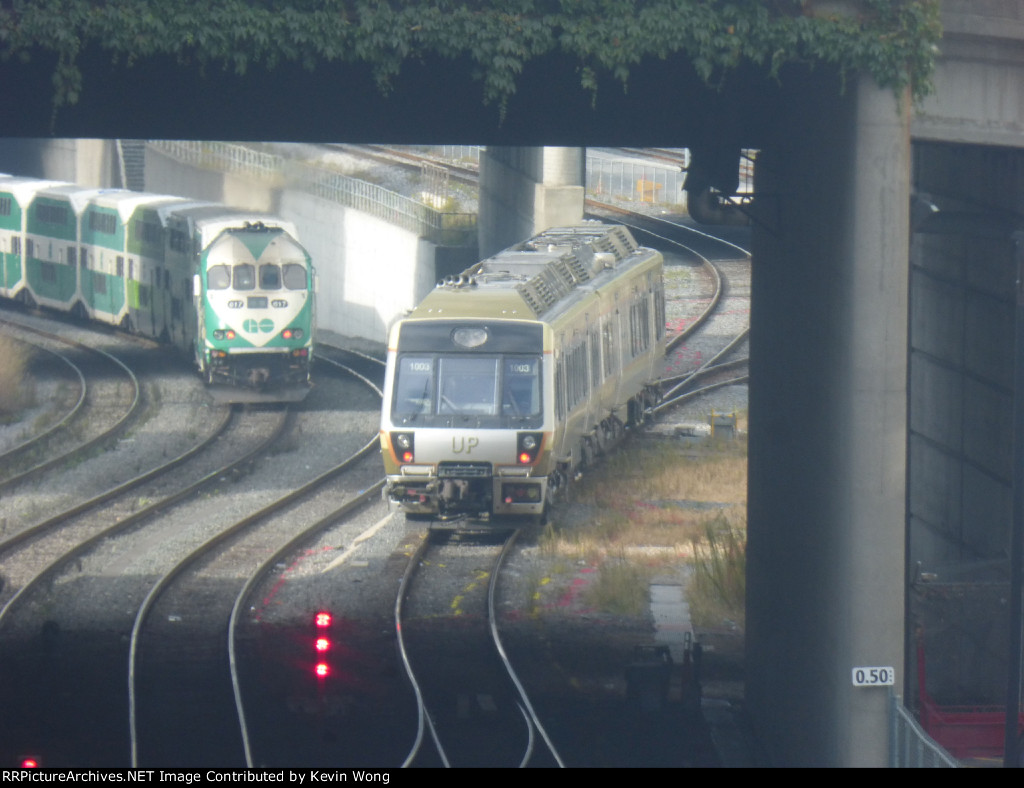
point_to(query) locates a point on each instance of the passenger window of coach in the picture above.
(295, 276)
(218, 277)
(245, 277)
(270, 277)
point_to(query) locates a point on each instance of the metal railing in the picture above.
(608, 177)
(460, 153)
(446, 229)
(635, 180)
(910, 747)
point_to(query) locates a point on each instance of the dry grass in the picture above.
(654, 494)
(13, 393)
(654, 506)
(620, 587)
(718, 586)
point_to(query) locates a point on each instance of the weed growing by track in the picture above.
(14, 394)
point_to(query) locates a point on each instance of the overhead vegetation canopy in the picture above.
(893, 40)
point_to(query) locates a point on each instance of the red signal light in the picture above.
(29, 763)
(287, 333)
(407, 456)
(322, 644)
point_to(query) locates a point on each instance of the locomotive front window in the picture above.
(467, 386)
(218, 277)
(244, 277)
(521, 387)
(270, 277)
(502, 387)
(295, 276)
(414, 385)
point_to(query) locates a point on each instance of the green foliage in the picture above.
(894, 40)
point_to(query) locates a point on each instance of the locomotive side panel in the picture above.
(607, 367)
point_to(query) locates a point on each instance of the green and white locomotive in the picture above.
(509, 379)
(233, 289)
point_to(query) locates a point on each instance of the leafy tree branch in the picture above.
(893, 40)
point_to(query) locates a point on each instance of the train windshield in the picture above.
(295, 276)
(270, 276)
(243, 276)
(218, 277)
(468, 385)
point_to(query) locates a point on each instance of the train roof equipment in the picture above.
(536, 278)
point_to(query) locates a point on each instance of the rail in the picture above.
(445, 229)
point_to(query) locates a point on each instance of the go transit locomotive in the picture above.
(232, 289)
(508, 379)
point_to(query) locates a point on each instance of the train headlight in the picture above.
(223, 333)
(404, 444)
(528, 447)
(292, 333)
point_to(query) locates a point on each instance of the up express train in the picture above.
(508, 379)
(233, 289)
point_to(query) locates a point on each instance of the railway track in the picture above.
(150, 561)
(720, 321)
(207, 656)
(107, 402)
(171, 672)
(469, 698)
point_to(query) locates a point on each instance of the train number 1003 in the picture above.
(874, 677)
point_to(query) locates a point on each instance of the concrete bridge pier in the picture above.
(525, 190)
(825, 558)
